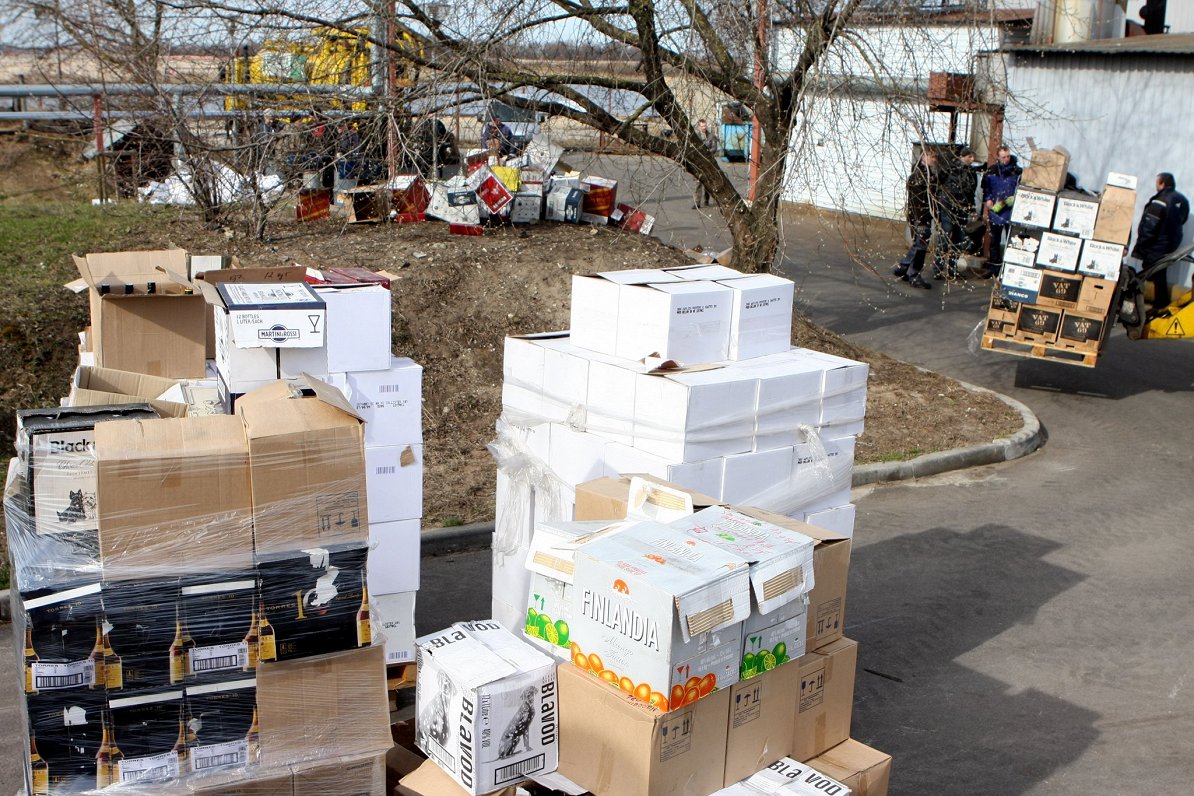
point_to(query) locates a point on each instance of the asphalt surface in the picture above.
(1024, 628)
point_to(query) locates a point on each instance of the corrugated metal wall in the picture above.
(1131, 114)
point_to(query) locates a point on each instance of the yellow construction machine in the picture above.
(1174, 322)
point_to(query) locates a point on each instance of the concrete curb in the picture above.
(476, 536)
(1030, 437)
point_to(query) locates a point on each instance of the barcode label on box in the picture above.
(440, 755)
(518, 770)
(51, 676)
(219, 657)
(383, 388)
(386, 470)
(148, 769)
(220, 755)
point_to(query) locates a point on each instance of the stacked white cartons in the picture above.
(686, 374)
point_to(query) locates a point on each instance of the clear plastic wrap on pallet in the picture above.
(217, 630)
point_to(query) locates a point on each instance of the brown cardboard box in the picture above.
(761, 727)
(334, 704)
(1117, 207)
(361, 775)
(174, 495)
(93, 386)
(307, 466)
(1060, 291)
(257, 782)
(1001, 317)
(826, 698)
(163, 333)
(1083, 332)
(867, 771)
(615, 745)
(605, 499)
(1047, 169)
(1097, 296)
(1038, 324)
(430, 780)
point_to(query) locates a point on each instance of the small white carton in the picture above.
(522, 376)
(1101, 259)
(843, 388)
(712, 271)
(565, 377)
(1058, 252)
(594, 314)
(392, 620)
(241, 369)
(610, 400)
(394, 482)
(550, 561)
(659, 613)
(839, 519)
(688, 322)
(393, 563)
(759, 478)
(703, 476)
(273, 315)
(695, 416)
(575, 456)
(358, 334)
(761, 317)
(486, 706)
(390, 402)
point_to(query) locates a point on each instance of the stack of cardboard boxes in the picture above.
(1061, 265)
(195, 589)
(686, 374)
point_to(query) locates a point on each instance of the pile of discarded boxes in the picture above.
(700, 635)
(522, 189)
(1061, 266)
(208, 600)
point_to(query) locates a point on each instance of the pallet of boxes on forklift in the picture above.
(1059, 287)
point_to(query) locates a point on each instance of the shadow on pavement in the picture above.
(1121, 371)
(919, 602)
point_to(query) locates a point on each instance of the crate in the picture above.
(951, 87)
(1021, 348)
(1083, 332)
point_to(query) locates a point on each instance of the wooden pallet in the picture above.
(1034, 350)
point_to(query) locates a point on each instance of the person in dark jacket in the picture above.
(1160, 233)
(920, 210)
(999, 192)
(959, 191)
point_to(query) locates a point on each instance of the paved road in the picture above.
(1024, 628)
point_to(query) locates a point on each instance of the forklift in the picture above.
(1174, 322)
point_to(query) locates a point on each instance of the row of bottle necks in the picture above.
(109, 758)
(260, 645)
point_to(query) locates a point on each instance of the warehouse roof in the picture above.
(1164, 44)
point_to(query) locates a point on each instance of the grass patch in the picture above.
(899, 456)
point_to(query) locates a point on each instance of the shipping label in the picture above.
(219, 657)
(1021, 284)
(213, 757)
(148, 769)
(53, 676)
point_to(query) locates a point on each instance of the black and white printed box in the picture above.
(64, 640)
(486, 706)
(1076, 216)
(1058, 252)
(1020, 284)
(1101, 259)
(275, 315)
(1033, 208)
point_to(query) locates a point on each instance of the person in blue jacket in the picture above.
(999, 192)
(1160, 233)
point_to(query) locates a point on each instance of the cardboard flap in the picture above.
(130, 268)
(286, 273)
(137, 385)
(717, 605)
(658, 502)
(177, 278)
(471, 663)
(330, 395)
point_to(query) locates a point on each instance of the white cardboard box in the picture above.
(522, 376)
(274, 315)
(390, 401)
(1058, 252)
(1076, 216)
(688, 322)
(486, 706)
(759, 478)
(695, 416)
(393, 557)
(565, 377)
(394, 482)
(1101, 259)
(576, 456)
(610, 402)
(658, 608)
(712, 271)
(787, 777)
(358, 334)
(596, 304)
(839, 519)
(527, 208)
(761, 317)
(242, 369)
(392, 617)
(789, 396)
(703, 476)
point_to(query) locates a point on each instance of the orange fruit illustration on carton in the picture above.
(620, 587)
(658, 559)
